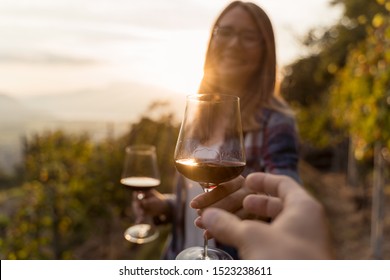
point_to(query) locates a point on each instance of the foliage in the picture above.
(71, 192)
(308, 82)
(49, 208)
(362, 88)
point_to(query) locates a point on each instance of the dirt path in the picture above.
(349, 218)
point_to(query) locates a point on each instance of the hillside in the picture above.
(349, 223)
(13, 111)
(16, 120)
(115, 102)
(95, 111)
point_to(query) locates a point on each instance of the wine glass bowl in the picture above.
(209, 173)
(140, 174)
(210, 150)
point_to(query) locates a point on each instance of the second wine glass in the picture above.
(141, 174)
(210, 150)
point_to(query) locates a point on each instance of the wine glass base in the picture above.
(196, 253)
(141, 233)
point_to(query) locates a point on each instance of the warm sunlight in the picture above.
(104, 61)
(84, 81)
(50, 49)
(182, 61)
(173, 61)
(176, 63)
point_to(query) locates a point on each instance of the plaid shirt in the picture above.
(272, 149)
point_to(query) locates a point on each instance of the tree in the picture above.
(342, 91)
(307, 82)
(49, 206)
(362, 88)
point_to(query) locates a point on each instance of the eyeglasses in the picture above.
(248, 39)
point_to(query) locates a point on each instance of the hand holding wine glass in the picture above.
(140, 173)
(210, 150)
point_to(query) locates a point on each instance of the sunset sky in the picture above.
(57, 46)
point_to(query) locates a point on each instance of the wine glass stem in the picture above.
(205, 248)
(140, 195)
(140, 217)
(206, 188)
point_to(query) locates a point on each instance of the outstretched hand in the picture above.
(229, 196)
(298, 231)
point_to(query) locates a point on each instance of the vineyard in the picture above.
(64, 201)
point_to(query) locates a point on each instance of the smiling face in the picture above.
(241, 60)
(236, 47)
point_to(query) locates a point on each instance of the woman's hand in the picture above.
(154, 203)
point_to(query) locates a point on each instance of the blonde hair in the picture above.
(262, 90)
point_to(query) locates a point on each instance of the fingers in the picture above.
(240, 213)
(291, 195)
(154, 193)
(206, 233)
(263, 205)
(155, 203)
(275, 185)
(223, 226)
(224, 191)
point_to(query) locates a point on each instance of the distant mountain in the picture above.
(116, 102)
(13, 111)
(95, 111)
(16, 121)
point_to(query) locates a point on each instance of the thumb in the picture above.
(222, 225)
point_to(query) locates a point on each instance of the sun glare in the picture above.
(185, 63)
(176, 63)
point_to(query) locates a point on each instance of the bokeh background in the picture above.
(80, 80)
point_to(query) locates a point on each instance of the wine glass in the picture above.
(210, 151)
(141, 174)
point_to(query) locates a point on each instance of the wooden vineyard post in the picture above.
(377, 214)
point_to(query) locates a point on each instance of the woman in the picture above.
(240, 60)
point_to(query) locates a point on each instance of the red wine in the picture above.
(208, 171)
(140, 183)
